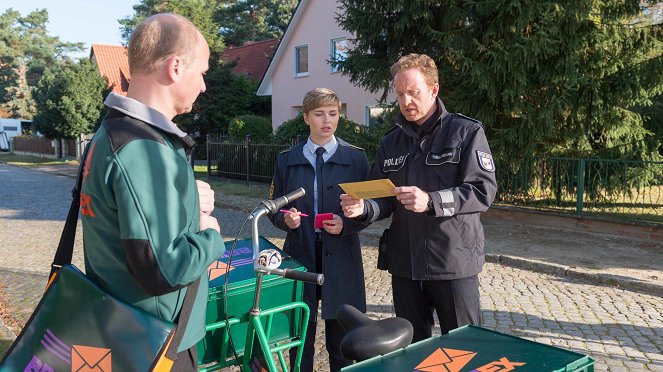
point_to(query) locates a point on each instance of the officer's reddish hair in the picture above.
(422, 62)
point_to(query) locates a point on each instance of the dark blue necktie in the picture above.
(318, 174)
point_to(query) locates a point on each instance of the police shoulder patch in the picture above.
(486, 161)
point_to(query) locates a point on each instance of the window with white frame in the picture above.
(374, 115)
(301, 60)
(338, 51)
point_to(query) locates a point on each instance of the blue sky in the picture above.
(86, 21)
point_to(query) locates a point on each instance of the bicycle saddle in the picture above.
(366, 337)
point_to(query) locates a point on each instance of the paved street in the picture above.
(622, 330)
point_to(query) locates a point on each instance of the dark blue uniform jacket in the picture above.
(341, 254)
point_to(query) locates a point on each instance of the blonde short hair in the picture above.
(159, 37)
(422, 62)
(320, 97)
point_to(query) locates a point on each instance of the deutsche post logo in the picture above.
(81, 358)
(445, 360)
(88, 358)
(452, 360)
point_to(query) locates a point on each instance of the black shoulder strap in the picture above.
(65, 249)
(183, 321)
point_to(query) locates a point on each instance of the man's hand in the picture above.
(293, 219)
(209, 222)
(351, 207)
(206, 196)
(333, 226)
(412, 198)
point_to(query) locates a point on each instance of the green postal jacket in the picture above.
(140, 215)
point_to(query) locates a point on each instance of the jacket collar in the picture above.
(144, 113)
(402, 123)
(329, 146)
(341, 156)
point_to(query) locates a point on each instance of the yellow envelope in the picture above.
(369, 189)
(445, 360)
(88, 358)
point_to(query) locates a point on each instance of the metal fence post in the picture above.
(580, 190)
(248, 158)
(209, 163)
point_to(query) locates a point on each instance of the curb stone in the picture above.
(567, 271)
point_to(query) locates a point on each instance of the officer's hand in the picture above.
(293, 219)
(412, 198)
(333, 226)
(206, 196)
(351, 207)
(209, 222)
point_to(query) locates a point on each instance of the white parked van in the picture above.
(10, 128)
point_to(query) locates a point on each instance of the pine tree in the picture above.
(26, 49)
(70, 100)
(545, 77)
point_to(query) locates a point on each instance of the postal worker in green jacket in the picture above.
(147, 228)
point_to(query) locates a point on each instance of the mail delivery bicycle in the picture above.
(240, 332)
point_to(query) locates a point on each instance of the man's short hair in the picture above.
(424, 63)
(320, 97)
(159, 37)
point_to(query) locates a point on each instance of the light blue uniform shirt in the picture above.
(309, 154)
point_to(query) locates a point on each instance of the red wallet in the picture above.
(322, 217)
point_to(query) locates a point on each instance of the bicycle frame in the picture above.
(256, 331)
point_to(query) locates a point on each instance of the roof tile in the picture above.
(113, 62)
(252, 59)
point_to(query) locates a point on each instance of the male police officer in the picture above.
(444, 173)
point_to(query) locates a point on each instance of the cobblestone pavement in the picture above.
(621, 329)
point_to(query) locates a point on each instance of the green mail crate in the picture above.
(475, 349)
(240, 293)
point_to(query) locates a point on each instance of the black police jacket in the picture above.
(453, 163)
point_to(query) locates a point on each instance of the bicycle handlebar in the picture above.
(304, 276)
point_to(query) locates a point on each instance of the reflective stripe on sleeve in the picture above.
(447, 203)
(376, 209)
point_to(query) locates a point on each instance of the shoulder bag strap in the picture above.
(65, 249)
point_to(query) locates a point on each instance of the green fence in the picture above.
(613, 189)
(616, 189)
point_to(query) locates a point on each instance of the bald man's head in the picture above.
(159, 37)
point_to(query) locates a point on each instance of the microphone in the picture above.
(274, 205)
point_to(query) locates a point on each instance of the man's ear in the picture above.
(175, 68)
(436, 89)
(306, 119)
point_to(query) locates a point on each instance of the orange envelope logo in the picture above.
(88, 358)
(218, 268)
(445, 360)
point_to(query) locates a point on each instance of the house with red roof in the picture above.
(113, 62)
(251, 59)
